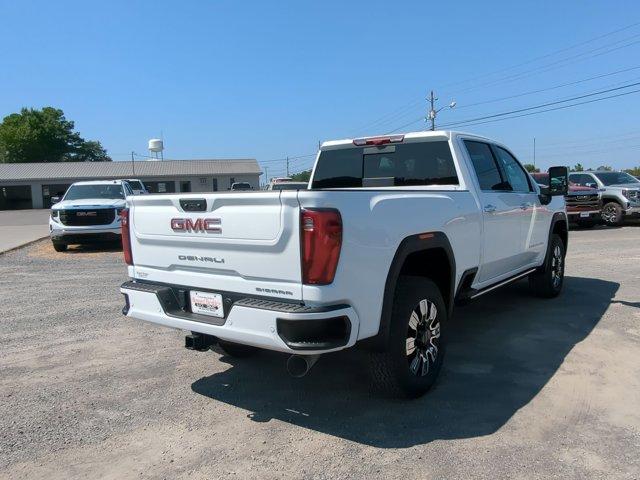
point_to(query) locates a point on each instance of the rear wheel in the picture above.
(612, 214)
(547, 281)
(415, 350)
(236, 349)
(60, 247)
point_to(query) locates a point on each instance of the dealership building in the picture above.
(31, 185)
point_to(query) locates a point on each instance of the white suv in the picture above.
(88, 212)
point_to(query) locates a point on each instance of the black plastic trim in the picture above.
(412, 244)
(175, 302)
(193, 204)
(315, 334)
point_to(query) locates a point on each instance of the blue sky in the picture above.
(225, 79)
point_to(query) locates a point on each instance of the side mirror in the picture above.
(55, 199)
(558, 181)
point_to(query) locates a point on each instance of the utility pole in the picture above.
(266, 175)
(133, 164)
(287, 166)
(431, 115)
(534, 151)
(432, 111)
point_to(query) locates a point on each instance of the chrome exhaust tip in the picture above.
(299, 365)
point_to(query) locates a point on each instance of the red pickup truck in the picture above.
(584, 204)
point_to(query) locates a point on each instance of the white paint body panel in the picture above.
(260, 243)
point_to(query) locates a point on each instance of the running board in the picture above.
(477, 293)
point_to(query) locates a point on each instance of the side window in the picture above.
(581, 179)
(516, 176)
(485, 166)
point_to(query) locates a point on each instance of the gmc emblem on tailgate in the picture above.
(208, 225)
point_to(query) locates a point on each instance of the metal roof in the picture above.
(142, 169)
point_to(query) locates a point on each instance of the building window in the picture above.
(215, 184)
(203, 181)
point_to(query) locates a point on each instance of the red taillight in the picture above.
(321, 240)
(126, 237)
(360, 142)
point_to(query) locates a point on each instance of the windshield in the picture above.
(615, 178)
(82, 192)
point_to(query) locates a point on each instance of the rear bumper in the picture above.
(583, 214)
(261, 323)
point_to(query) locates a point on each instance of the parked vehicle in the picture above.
(583, 203)
(137, 186)
(392, 232)
(620, 193)
(289, 186)
(241, 186)
(88, 212)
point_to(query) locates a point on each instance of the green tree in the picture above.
(531, 168)
(578, 168)
(301, 176)
(635, 171)
(605, 167)
(45, 136)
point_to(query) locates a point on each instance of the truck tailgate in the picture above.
(241, 242)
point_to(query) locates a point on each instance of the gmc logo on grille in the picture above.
(208, 225)
(86, 214)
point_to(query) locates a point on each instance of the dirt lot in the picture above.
(530, 389)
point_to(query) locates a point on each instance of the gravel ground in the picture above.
(531, 388)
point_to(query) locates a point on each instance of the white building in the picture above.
(31, 185)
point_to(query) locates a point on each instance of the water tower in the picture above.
(155, 149)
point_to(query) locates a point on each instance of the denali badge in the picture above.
(193, 258)
(208, 225)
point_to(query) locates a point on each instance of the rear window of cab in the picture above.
(400, 165)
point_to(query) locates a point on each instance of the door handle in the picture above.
(489, 208)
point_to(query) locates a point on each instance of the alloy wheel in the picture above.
(557, 266)
(423, 335)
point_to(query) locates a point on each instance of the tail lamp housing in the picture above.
(126, 236)
(321, 241)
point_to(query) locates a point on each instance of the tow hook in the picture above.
(199, 342)
(299, 365)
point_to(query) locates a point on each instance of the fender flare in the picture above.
(558, 217)
(412, 244)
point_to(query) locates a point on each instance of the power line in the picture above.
(462, 122)
(556, 52)
(554, 65)
(552, 109)
(402, 111)
(531, 92)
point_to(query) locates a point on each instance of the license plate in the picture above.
(207, 303)
(584, 214)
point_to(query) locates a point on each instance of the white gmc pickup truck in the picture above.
(390, 234)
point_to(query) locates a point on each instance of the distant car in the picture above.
(584, 204)
(620, 193)
(88, 212)
(241, 186)
(289, 186)
(137, 186)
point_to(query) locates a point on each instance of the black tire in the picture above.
(60, 247)
(586, 224)
(398, 370)
(612, 214)
(548, 280)
(236, 349)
